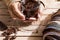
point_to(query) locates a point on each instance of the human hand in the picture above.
(15, 8)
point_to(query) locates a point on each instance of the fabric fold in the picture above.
(52, 30)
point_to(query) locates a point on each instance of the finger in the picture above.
(32, 19)
(35, 18)
(18, 13)
(39, 15)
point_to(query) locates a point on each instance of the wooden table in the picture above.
(6, 18)
(21, 35)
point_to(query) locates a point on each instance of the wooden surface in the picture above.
(21, 35)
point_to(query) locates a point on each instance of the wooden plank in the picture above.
(4, 12)
(56, 5)
(25, 34)
(25, 38)
(29, 38)
(2, 5)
